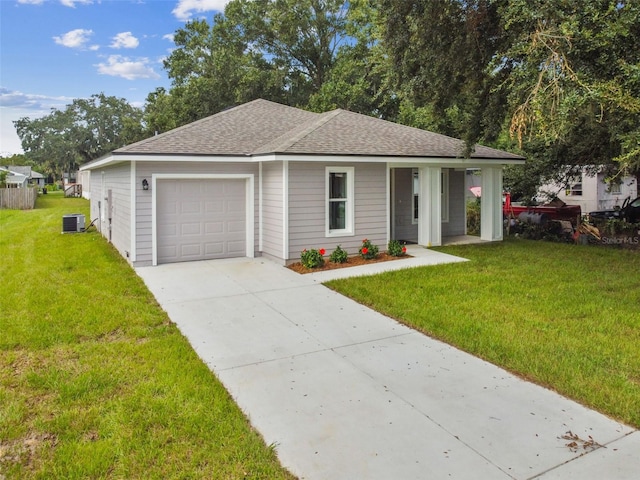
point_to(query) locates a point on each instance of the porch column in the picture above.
(491, 204)
(430, 207)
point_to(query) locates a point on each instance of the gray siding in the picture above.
(404, 228)
(457, 205)
(272, 209)
(307, 208)
(144, 255)
(117, 179)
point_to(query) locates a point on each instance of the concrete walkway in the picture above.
(346, 393)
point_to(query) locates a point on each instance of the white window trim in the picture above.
(350, 202)
(614, 188)
(576, 181)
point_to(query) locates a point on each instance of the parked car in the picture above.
(630, 211)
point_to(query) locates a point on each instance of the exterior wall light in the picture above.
(145, 184)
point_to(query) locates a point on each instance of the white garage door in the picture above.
(200, 219)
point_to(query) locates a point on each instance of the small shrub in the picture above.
(368, 250)
(312, 258)
(473, 217)
(396, 249)
(339, 255)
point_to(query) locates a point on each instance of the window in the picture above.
(574, 187)
(615, 188)
(340, 200)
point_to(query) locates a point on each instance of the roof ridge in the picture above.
(286, 140)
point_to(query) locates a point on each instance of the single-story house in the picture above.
(22, 176)
(264, 179)
(14, 179)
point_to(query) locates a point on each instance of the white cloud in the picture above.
(168, 36)
(75, 38)
(16, 99)
(15, 105)
(124, 40)
(119, 66)
(186, 8)
(31, 2)
(72, 3)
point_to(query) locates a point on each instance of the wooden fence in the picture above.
(18, 198)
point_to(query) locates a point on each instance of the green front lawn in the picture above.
(95, 381)
(563, 316)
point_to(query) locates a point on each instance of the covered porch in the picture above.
(428, 204)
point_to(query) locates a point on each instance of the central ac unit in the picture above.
(73, 223)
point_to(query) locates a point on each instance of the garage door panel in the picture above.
(233, 188)
(191, 229)
(232, 206)
(167, 251)
(215, 248)
(236, 227)
(167, 230)
(214, 227)
(214, 206)
(191, 207)
(211, 222)
(191, 250)
(237, 247)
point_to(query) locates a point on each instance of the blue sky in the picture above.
(52, 51)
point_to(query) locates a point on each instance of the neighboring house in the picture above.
(84, 179)
(21, 176)
(591, 190)
(268, 179)
(37, 179)
(14, 179)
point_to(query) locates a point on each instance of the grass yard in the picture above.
(95, 381)
(563, 316)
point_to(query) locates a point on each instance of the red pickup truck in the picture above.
(554, 210)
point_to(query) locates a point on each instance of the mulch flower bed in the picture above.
(354, 261)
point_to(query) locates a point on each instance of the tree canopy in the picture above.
(85, 130)
(560, 79)
(557, 81)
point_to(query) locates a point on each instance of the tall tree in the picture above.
(441, 52)
(300, 36)
(85, 130)
(359, 78)
(281, 50)
(562, 78)
(575, 93)
(212, 68)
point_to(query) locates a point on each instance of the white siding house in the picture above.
(591, 191)
(268, 179)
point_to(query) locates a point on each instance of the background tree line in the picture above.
(556, 81)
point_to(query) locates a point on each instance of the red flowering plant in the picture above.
(312, 258)
(396, 249)
(368, 250)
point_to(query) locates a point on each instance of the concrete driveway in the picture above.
(344, 392)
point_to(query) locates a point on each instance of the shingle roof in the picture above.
(237, 131)
(263, 127)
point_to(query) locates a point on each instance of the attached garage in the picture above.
(200, 219)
